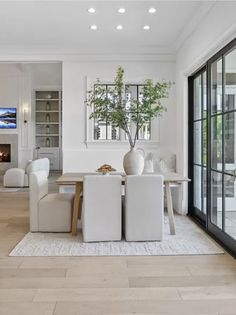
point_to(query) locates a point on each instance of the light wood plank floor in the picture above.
(188, 285)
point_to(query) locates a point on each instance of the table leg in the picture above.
(76, 207)
(170, 209)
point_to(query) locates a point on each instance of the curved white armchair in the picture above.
(101, 212)
(19, 177)
(144, 211)
(48, 212)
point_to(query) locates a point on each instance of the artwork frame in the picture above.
(8, 117)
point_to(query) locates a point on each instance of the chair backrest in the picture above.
(148, 185)
(101, 206)
(144, 204)
(98, 187)
(39, 165)
(38, 188)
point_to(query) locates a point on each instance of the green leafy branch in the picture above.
(110, 104)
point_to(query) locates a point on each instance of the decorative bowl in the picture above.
(105, 169)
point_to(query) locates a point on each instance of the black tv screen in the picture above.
(7, 118)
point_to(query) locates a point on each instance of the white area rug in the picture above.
(189, 240)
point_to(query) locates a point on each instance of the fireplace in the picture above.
(5, 153)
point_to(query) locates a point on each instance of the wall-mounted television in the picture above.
(7, 118)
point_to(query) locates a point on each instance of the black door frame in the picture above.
(197, 214)
(223, 238)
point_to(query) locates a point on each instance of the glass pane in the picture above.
(99, 130)
(204, 142)
(216, 86)
(216, 142)
(140, 92)
(204, 171)
(131, 92)
(197, 97)
(110, 93)
(229, 101)
(198, 187)
(230, 206)
(198, 142)
(229, 147)
(230, 80)
(144, 132)
(204, 87)
(216, 198)
(112, 132)
(131, 126)
(100, 90)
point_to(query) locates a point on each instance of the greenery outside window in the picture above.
(102, 130)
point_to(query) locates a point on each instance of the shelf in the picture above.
(47, 111)
(47, 123)
(48, 148)
(47, 99)
(47, 135)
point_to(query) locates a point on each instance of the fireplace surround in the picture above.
(8, 142)
(5, 153)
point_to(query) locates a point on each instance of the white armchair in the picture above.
(48, 212)
(144, 211)
(19, 177)
(101, 212)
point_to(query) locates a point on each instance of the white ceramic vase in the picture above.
(133, 162)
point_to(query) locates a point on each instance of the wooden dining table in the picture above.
(76, 179)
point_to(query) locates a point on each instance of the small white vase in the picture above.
(148, 164)
(133, 162)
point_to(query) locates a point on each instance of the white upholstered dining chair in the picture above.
(101, 210)
(48, 212)
(144, 210)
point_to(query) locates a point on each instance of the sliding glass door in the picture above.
(212, 155)
(199, 144)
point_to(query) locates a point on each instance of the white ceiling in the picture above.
(63, 26)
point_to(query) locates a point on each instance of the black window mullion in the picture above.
(137, 110)
(202, 181)
(150, 130)
(223, 143)
(229, 111)
(197, 164)
(191, 209)
(209, 164)
(107, 111)
(196, 120)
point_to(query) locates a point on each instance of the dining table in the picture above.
(76, 179)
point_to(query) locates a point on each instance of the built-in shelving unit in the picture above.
(48, 126)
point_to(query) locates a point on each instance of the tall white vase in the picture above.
(133, 162)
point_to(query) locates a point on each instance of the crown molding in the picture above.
(213, 48)
(16, 55)
(193, 23)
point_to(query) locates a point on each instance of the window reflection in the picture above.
(216, 86)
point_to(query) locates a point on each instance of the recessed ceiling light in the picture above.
(146, 27)
(119, 27)
(91, 10)
(152, 10)
(121, 10)
(93, 27)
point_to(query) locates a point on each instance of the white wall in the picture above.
(46, 75)
(17, 81)
(216, 29)
(11, 93)
(77, 156)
